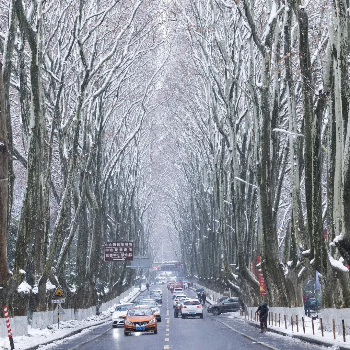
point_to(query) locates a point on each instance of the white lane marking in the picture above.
(249, 337)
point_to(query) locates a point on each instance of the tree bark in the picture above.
(4, 183)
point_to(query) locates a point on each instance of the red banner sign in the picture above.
(263, 290)
(119, 251)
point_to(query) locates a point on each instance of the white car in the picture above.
(154, 306)
(178, 290)
(191, 307)
(159, 291)
(177, 297)
(180, 302)
(120, 313)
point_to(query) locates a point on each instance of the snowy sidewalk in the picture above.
(37, 337)
(326, 340)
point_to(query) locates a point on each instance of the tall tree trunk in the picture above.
(4, 162)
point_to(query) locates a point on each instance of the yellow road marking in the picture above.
(167, 329)
(166, 347)
(167, 335)
(166, 339)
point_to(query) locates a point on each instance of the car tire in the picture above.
(183, 316)
(155, 332)
(160, 319)
(126, 333)
(201, 315)
(216, 311)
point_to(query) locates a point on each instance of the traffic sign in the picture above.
(141, 262)
(119, 251)
(57, 301)
(58, 297)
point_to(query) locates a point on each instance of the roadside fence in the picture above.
(294, 320)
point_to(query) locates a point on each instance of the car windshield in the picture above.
(140, 312)
(150, 303)
(233, 300)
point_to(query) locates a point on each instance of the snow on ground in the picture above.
(52, 333)
(327, 336)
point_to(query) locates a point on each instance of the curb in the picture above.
(300, 337)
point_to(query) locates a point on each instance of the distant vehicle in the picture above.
(178, 290)
(191, 307)
(177, 310)
(227, 305)
(178, 306)
(177, 297)
(156, 297)
(153, 305)
(140, 319)
(119, 314)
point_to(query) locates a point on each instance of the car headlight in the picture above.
(152, 321)
(128, 322)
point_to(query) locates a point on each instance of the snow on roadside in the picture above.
(327, 336)
(52, 333)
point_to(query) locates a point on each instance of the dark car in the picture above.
(227, 305)
(156, 297)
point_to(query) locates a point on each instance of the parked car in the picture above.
(191, 307)
(140, 319)
(227, 305)
(119, 314)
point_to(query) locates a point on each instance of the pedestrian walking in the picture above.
(204, 297)
(263, 312)
(307, 306)
(147, 286)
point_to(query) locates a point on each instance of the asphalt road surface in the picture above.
(223, 332)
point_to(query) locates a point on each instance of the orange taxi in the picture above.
(140, 319)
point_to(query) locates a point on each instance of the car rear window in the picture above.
(180, 296)
(192, 302)
(140, 312)
(123, 308)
